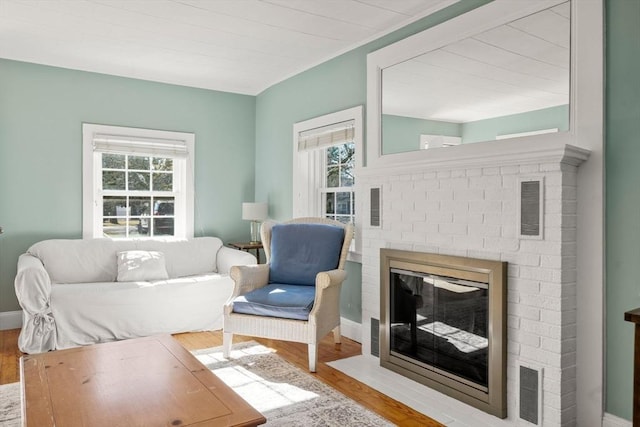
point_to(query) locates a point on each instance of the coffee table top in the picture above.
(151, 381)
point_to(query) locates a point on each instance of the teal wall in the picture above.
(487, 130)
(622, 149)
(277, 109)
(331, 86)
(41, 114)
(401, 134)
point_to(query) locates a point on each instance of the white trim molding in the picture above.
(351, 329)
(10, 320)
(496, 153)
(307, 171)
(612, 421)
(98, 139)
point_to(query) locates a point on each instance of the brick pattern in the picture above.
(474, 212)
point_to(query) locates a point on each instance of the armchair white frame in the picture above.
(324, 316)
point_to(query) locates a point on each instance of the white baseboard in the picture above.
(351, 329)
(10, 320)
(348, 328)
(612, 421)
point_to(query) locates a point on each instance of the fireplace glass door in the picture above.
(441, 323)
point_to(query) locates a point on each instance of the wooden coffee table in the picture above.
(151, 381)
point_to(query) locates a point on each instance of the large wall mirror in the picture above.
(501, 71)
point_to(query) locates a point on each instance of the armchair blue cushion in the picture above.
(300, 251)
(277, 300)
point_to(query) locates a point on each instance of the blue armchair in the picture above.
(296, 295)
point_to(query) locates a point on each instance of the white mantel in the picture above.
(515, 151)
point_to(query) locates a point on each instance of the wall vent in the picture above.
(530, 402)
(531, 208)
(375, 337)
(375, 207)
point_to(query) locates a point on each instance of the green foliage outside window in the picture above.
(340, 165)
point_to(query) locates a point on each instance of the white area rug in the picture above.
(284, 394)
(10, 405)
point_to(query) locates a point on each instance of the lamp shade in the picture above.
(255, 211)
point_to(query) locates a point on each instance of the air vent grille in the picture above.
(530, 211)
(375, 207)
(375, 337)
(530, 395)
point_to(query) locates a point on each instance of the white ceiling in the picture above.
(241, 46)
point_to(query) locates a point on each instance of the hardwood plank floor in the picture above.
(295, 353)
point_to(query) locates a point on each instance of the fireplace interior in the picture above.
(443, 324)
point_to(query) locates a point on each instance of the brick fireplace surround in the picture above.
(469, 206)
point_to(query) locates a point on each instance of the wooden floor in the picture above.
(295, 353)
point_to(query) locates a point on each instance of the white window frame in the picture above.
(309, 170)
(183, 181)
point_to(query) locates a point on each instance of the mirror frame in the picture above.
(476, 21)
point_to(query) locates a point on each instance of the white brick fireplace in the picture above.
(465, 202)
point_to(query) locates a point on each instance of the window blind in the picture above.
(123, 144)
(326, 136)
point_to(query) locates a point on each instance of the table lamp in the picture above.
(255, 212)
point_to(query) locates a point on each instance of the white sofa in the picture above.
(79, 292)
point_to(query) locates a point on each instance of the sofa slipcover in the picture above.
(70, 295)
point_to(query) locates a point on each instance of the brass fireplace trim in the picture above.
(493, 400)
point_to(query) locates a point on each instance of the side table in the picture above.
(248, 246)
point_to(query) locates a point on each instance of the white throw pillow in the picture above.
(135, 266)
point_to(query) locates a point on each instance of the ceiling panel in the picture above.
(241, 46)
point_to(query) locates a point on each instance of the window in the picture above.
(326, 151)
(138, 183)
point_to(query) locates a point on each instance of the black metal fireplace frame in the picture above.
(491, 399)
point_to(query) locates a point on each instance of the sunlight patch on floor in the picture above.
(260, 393)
